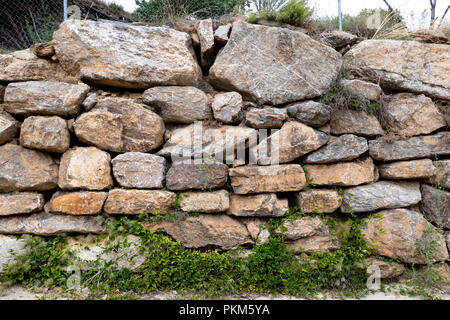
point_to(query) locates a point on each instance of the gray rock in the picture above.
(9, 127)
(442, 176)
(265, 118)
(90, 101)
(179, 104)
(411, 148)
(355, 122)
(310, 112)
(227, 107)
(139, 170)
(435, 206)
(185, 176)
(120, 125)
(338, 39)
(205, 34)
(122, 201)
(20, 203)
(367, 90)
(344, 148)
(221, 34)
(260, 205)
(45, 98)
(114, 54)
(8, 244)
(205, 202)
(273, 65)
(381, 195)
(25, 170)
(414, 169)
(49, 134)
(47, 224)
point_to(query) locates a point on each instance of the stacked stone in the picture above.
(70, 151)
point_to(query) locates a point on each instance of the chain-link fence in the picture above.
(23, 23)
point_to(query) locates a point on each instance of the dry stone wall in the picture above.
(125, 119)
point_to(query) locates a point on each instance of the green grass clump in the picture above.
(295, 12)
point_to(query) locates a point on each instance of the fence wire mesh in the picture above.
(23, 23)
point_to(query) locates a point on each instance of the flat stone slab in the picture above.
(20, 203)
(318, 200)
(77, 203)
(260, 205)
(185, 176)
(414, 169)
(205, 202)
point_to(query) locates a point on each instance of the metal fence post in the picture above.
(340, 14)
(65, 10)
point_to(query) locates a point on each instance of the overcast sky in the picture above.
(416, 12)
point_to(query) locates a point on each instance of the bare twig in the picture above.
(34, 25)
(443, 16)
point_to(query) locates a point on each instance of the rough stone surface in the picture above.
(205, 202)
(388, 269)
(43, 50)
(344, 148)
(139, 170)
(122, 201)
(442, 176)
(120, 125)
(23, 65)
(292, 141)
(20, 202)
(216, 142)
(90, 101)
(274, 65)
(85, 168)
(368, 90)
(49, 134)
(415, 169)
(8, 243)
(124, 55)
(265, 118)
(355, 122)
(179, 104)
(403, 65)
(9, 127)
(318, 200)
(221, 34)
(381, 195)
(310, 112)
(24, 169)
(185, 176)
(205, 34)
(227, 107)
(411, 148)
(342, 174)
(77, 203)
(47, 224)
(447, 239)
(404, 233)
(2, 92)
(279, 178)
(411, 115)
(435, 205)
(206, 231)
(316, 243)
(338, 39)
(261, 205)
(45, 98)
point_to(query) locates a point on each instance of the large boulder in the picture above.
(179, 104)
(344, 148)
(48, 224)
(9, 127)
(120, 125)
(435, 206)
(139, 170)
(206, 231)
(201, 141)
(24, 169)
(414, 169)
(342, 174)
(45, 98)
(77, 203)
(318, 200)
(411, 115)
(410, 148)
(260, 205)
(406, 235)
(19, 66)
(356, 122)
(381, 195)
(274, 65)
(48, 134)
(403, 65)
(185, 176)
(124, 55)
(20, 203)
(292, 141)
(122, 201)
(85, 168)
(205, 202)
(267, 179)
